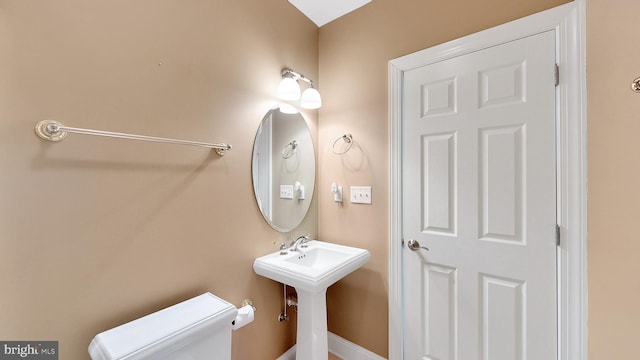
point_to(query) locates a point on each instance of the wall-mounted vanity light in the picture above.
(289, 90)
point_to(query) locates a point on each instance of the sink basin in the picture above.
(313, 268)
(311, 271)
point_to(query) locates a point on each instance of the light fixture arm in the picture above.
(286, 72)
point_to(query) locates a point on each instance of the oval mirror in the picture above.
(283, 169)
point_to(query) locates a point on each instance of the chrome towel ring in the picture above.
(289, 149)
(348, 140)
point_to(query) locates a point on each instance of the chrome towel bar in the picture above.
(54, 131)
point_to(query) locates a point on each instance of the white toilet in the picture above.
(195, 329)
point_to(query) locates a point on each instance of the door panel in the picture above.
(502, 319)
(500, 177)
(479, 191)
(440, 336)
(439, 205)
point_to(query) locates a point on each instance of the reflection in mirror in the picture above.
(283, 169)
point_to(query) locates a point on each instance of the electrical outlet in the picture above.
(286, 191)
(360, 195)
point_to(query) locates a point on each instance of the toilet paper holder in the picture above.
(248, 302)
(245, 314)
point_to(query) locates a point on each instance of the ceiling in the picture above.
(324, 11)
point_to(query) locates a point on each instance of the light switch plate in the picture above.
(360, 195)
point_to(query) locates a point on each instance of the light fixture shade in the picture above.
(311, 99)
(288, 89)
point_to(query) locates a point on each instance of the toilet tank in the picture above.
(195, 329)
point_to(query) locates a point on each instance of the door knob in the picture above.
(415, 245)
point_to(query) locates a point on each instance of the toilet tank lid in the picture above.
(175, 324)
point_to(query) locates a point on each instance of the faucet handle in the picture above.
(304, 238)
(283, 248)
(304, 242)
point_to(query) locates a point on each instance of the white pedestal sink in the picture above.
(311, 271)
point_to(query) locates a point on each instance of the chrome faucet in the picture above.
(299, 242)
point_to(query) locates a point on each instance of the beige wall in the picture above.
(614, 175)
(95, 232)
(354, 53)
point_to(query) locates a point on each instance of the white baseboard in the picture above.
(289, 355)
(340, 347)
(347, 350)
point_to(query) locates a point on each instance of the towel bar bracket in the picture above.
(48, 130)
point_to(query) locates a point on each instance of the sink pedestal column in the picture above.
(311, 341)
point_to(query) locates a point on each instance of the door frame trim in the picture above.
(569, 23)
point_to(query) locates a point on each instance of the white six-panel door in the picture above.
(479, 190)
